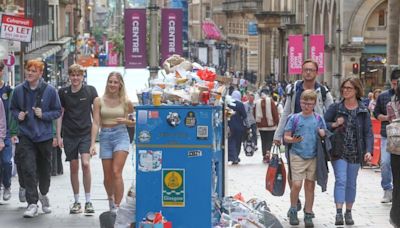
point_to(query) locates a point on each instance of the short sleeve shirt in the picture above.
(77, 118)
(306, 127)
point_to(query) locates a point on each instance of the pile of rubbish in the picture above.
(235, 212)
(186, 83)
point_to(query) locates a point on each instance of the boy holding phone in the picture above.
(301, 131)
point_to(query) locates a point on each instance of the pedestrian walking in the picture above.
(353, 116)
(74, 133)
(249, 107)
(380, 113)
(110, 113)
(6, 154)
(237, 126)
(267, 118)
(301, 132)
(35, 104)
(292, 103)
(372, 103)
(395, 162)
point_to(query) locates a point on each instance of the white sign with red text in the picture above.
(16, 28)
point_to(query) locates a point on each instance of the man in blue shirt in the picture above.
(380, 113)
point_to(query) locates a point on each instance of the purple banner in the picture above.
(171, 33)
(135, 38)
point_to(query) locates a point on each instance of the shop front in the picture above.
(372, 67)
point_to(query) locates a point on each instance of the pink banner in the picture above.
(112, 55)
(317, 49)
(295, 55)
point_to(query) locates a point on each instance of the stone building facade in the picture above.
(355, 33)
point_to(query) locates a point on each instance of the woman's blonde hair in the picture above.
(122, 92)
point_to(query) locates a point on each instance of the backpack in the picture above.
(393, 131)
(323, 89)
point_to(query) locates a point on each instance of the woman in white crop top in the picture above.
(110, 113)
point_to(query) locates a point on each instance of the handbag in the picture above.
(393, 131)
(337, 141)
(275, 179)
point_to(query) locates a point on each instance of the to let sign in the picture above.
(16, 28)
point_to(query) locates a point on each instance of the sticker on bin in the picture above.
(149, 160)
(173, 188)
(154, 115)
(202, 132)
(144, 136)
(142, 117)
(195, 153)
(190, 119)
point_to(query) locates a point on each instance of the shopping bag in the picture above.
(275, 180)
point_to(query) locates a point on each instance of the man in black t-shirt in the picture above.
(74, 131)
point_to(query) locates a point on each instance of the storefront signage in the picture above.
(295, 55)
(173, 188)
(171, 33)
(135, 38)
(317, 49)
(16, 28)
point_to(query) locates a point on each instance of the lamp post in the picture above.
(154, 56)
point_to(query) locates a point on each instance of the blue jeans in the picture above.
(386, 169)
(5, 163)
(345, 181)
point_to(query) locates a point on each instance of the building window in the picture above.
(67, 24)
(208, 12)
(51, 23)
(381, 18)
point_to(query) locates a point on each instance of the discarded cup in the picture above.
(156, 96)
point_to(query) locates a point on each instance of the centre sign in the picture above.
(16, 28)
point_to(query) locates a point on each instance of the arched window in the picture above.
(381, 18)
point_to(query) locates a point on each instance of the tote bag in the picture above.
(275, 180)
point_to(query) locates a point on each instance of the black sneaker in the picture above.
(339, 220)
(75, 208)
(89, 208)
(293, 220)
(348, 218)
(308, 220)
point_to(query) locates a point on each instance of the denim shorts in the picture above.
(112, 140)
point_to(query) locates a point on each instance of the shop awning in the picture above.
(211, 31)
(43, 52)
(374, 49)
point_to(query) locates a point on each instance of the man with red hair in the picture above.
(35, 105)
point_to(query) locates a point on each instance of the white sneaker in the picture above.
(387, 196)
(31, 211)
(21, 195)
(6, 194)
(45, 203)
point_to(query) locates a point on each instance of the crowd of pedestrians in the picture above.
(306, 112)
(39, 120)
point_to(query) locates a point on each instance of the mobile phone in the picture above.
(297, 136)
